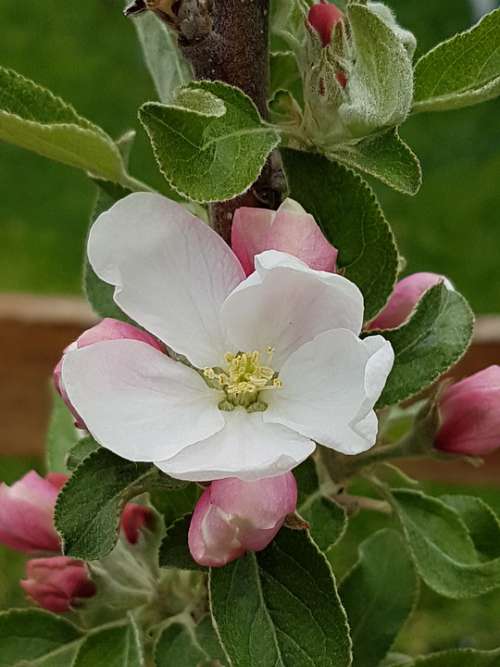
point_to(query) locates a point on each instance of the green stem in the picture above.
(341, 467)
(134, 184)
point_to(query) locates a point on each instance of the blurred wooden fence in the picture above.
(34, 330)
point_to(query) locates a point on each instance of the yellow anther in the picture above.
(243, 378)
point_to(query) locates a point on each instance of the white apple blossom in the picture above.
(264, 366)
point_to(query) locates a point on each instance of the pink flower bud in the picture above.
(26, 513)
(470, 415)
(58, 583)
(233, 517)
(404, 298)
(323, 17)
(289, 229)
(134, 518)
(107, 329)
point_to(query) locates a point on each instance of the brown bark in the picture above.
(227, 40)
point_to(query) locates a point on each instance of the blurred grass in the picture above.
(88, 54)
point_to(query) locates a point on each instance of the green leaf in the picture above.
(466, 657)
(462, 71)
(32, 635)
(481, 521)
(285, 75)
(99, 293)
(33, 118)
(351, 218)
(168, 69)
(211, 144)
(432, 341)
(327, 520)
(442, 548)
(117, 646)
(379, 595)
(175, 503)
(88, 509)
(181, 646)
(385, 156)
(61, 434)
(280, 607)
(381, 79)
(396, 660)
(80, 451)
(174, 550)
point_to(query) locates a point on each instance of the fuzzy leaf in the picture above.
(163, 57)
(111, 647)
(174, 551)
(327, 520)
(466, 657)
(175, 503)
(442, 548)
(461, 71)
(61, 434)
(211, 144)
(194, 647)
(33, 118)
(285, 76)
(379, 597)
(88, 509)
(33, 635)
(80, 451)
(280, 607)
(351, 218)
(481, 521)
(385, 156)
(381, 80)
(431, 342)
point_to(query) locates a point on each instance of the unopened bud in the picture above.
(57, 584)
(323, 17)
(289, 229)
(407, 293)
(107, 329)
(470, 415)
(233, 517)
(26, 513)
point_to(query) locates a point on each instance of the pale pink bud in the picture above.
(57, 584)
(470, 415)
(323, 17)
(134, 518)
(107, 329)
(404, 298)
(26, 513)
(233, 517)
(289, 229)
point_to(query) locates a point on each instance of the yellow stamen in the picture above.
(243, 378)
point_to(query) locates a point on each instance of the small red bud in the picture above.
(323, 17)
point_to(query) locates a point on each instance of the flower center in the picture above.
(244, 377)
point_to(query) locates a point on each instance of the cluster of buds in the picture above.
(53, 581)
(352, 86)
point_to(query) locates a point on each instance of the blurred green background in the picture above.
(87, 53)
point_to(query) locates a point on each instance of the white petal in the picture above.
(289, 306)
(246, 448)
(380, 362)
(138, 402)
(171, 272)
(330, 386)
